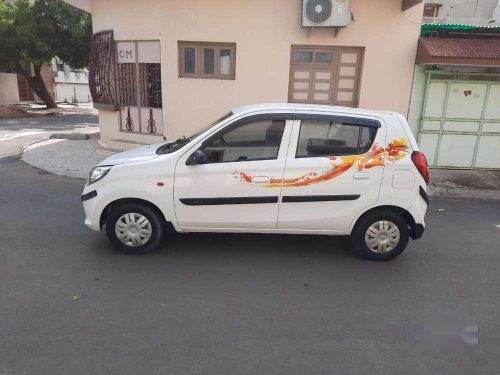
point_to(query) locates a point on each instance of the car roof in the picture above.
(297, 107)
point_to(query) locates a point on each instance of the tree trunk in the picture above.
(41, 90)
(38, 85)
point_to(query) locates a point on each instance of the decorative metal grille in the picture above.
(150, 85)
(102, 79)
(151, 128)
(129, 121)
(127, 83)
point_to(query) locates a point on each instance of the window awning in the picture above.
(445, 29)
(458, 51)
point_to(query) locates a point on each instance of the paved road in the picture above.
(240, 304)
(17, 133)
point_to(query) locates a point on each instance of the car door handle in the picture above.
(260, 179)
(361, 176)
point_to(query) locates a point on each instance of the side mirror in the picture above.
(197, 157)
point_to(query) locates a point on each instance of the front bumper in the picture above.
(92, 209)
(89, 195)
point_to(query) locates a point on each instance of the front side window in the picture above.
(330, 138)
(259, 140)
(207, 60)
(170, 147)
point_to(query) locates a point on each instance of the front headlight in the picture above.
(97, 173)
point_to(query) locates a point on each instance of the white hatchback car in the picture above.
(270, 168)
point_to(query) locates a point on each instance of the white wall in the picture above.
(67, 91)
(9, 91)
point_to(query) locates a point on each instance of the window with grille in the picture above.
(150, 78)
(139, 83)
(126, 79)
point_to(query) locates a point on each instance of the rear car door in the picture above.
(232, 190)
(334, 169)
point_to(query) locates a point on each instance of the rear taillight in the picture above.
(420, 162)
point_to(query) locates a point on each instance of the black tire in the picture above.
(154, 218)
(360, 230)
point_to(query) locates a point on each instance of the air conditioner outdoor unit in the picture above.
(325, 13)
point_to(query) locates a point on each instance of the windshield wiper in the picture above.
(169, 147)
(182, 139)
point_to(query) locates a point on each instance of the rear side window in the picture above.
(328, 138)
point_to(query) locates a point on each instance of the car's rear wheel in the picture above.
(380, 235)
(134, 229)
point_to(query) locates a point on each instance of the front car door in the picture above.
(334, 170)
(230, 191)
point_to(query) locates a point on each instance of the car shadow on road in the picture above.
(257, 243)
(254, 245)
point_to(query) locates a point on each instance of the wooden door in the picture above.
(325, 75)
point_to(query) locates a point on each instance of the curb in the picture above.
(433, 191)
(45, 142)
(71, 136)
(62, 157)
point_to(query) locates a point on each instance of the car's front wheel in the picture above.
(134, 229)
(380, 235)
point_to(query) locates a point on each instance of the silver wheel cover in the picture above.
(382, 236)
(133, 229)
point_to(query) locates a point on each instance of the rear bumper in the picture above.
(417, 231)
(418, 210)
(424, 195)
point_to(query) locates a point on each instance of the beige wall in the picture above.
(9, 91)
(263, 31)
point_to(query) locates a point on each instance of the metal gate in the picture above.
(460, 126)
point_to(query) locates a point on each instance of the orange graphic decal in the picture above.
(376, 157)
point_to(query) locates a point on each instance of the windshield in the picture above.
(170, 147)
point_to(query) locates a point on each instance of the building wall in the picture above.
(417, 98)
(70, 83)
(25, 91)
(68, 91)
(9, 92)
(263, 32)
